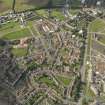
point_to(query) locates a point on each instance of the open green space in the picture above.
(97, 25)
(74, 11)
(17, 35)
(21, 5)
(65, 80)
(89, 95)
(42, 12)
(58, 14)
(102, 39)
(45, 79)
(64, 52)
(33, 29)
(19, 52)
(5, 5)
(9, 27)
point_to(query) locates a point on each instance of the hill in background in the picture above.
(6, 5)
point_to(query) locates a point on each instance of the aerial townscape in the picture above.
(52, 52)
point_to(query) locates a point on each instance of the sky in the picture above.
(82, 1)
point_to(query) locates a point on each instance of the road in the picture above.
(83, 68)
(87, 55)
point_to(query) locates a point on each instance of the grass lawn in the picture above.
(1, 47)
(9, 27)
(102, 98)
(19, 52)
(5, 5)
(22, 5)
(30, 4)
(31, 25)
(58, 14)
(42, 12)
(17, 35)
(89, 94)
(74, 11)
(102, 40)
(97, 25)
(66, 81)
(45, 79)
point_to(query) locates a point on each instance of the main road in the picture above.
(87, 58)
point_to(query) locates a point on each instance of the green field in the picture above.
(9, 27)
(42, 12)
(19, 52)
(65, 80)
(6, 5)
(97, 25)
(74, 11)
(20, 5)
(102, 40)
(58, 14)
(55, 13)
(17, 34)
(45, 79)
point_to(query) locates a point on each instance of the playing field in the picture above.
(17, 34)
(97, 26)
(6, 5)
(29, 4)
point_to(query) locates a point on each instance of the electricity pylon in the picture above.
(13, 6)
